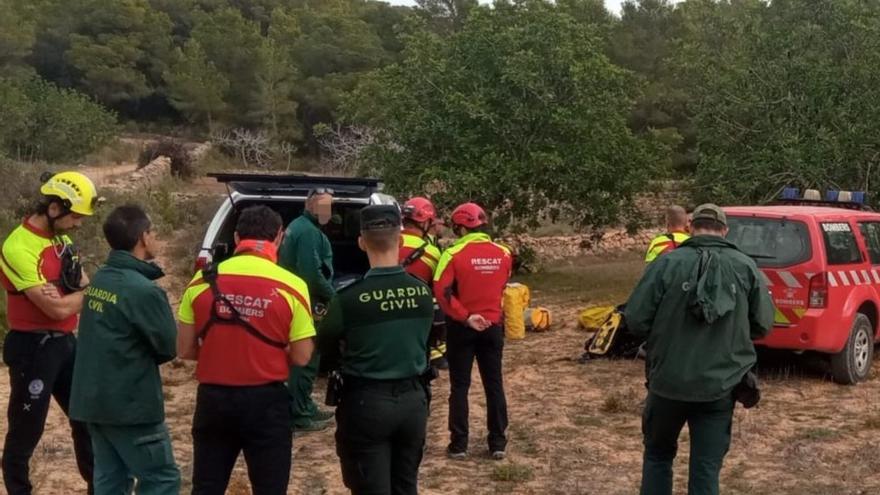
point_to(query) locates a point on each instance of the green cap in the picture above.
(709, 211)
(380, 217)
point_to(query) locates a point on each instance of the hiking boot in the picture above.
(310, 426)
(497, 455)
(457, 455)
(323, 415)
(440, 363)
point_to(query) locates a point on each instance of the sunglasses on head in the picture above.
(321, 190)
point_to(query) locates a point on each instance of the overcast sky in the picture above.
(613, 5)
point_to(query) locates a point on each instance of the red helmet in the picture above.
(469, 215)
(419, 209)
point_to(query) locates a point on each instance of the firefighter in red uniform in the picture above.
(245, 320)
(419, 257)
(468, 284)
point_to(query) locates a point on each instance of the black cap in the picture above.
(380, 217)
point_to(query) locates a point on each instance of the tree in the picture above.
(519, 110)
(335, 49)
(645, 42)
(276, 82)
(118, 48)
(445, 16)
(784, 94)
(18, 114)
(195, 87)
(233, 44)
(49, 123)
(17, 36)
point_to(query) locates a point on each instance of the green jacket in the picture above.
(306, 252)
(384, 320)
(700, 307)
(125, 332)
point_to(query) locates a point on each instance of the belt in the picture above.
(52, 334)
(217, 386)
(394, 387)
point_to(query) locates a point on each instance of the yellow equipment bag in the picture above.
(592, 318)
(603, 339)
(537, 319)
(515, 301)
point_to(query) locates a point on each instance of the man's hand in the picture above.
(84, 281)
(478, 322)
(50, 291)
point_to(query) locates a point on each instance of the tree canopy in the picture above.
(536, 108)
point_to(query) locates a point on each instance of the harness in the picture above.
(71, 268)
(672, 239)
(209, 275)
(415, 255)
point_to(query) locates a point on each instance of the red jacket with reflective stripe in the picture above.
(273, 300)
(423, 267)
(471, 277)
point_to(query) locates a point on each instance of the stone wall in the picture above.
(150, 175)
(570, 246)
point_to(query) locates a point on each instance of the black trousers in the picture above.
(40, 367)
(253, 420)
(380, 435)
(463, 345)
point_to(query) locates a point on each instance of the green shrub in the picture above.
(43, 122)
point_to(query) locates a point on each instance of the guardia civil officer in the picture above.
(306, 251)
(245, 320)
(126, 331)
(384, 321)
(700, 306)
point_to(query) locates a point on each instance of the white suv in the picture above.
(286, 194)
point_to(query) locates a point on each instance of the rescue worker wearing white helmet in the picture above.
(44, 280)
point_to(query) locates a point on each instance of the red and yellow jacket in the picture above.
(31, 257)
(273, 300)
(424, 267)
(665, 243)
(471, 276)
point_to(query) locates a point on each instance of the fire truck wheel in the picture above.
(853, 364)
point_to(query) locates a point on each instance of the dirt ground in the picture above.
(574, 428)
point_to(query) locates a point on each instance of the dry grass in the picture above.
(516, 473)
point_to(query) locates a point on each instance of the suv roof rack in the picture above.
(297, 184)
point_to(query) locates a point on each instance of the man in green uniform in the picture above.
(306, 252)
(384, 321)
(126, 331)
(700, 307)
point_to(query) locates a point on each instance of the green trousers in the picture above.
(300, 384)
(380, 435)
(125, 455)
(709, 425)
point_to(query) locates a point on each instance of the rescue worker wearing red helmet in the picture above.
(419, 256)
(468, 283)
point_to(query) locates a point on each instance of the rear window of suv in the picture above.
(771, 242)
